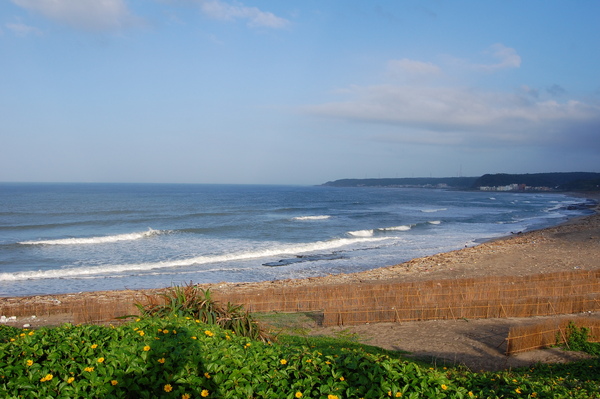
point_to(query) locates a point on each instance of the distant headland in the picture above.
(566, 181)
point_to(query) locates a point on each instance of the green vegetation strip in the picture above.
(181, 357)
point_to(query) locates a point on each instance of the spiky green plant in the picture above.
(192, 301)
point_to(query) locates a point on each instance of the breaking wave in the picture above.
(87, 271)
(433, 210)
(319, 217)
(96, 240)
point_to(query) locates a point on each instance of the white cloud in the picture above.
(256, 18)
(462, 116)
(22, 30)
(90, 15)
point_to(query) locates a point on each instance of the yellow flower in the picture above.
(309, 361)
(471, 394)
(101, 360)
(185, 396)
(161, 360)
(70, 380)
(332, 397)
(88, 369)
(165, 331)
(247, 345)
(227, 337)
(207, 375)
(141, 333)
(444, 387)
(194, 337)
(160, 330)
(209, 333)
(342, 378)
(283, 361)
(517, 390)
(114, 382)
(30, 333)
(48, 377)
(398, 394)
(168, 388)
(327, 362)
(146, 348)
(298, 394)
(174, 332)
(204, 393)
(30, 362)
(94, 346)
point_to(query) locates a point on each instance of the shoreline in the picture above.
(573, 244)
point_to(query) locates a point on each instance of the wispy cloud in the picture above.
(502, 57)
(20, 29)
(460, 115)
(507, 58)
(406, 66)
(233, 11)
(89, 15)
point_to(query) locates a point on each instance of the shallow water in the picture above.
(58, 238)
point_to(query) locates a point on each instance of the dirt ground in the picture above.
(476, 344)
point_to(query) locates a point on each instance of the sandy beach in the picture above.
(574, 245)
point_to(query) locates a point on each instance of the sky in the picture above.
(296, 92)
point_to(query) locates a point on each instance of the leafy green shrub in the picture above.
(578, 340)
(195, 302)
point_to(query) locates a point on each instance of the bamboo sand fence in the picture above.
(490, 297)
(358, 303)
(72, 308)
(548, 333)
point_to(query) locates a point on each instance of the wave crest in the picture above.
(319, 217)
(96, 240)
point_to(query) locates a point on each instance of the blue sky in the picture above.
(296, 92)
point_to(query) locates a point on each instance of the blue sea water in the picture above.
(61, 238)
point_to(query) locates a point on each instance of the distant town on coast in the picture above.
(553, 182)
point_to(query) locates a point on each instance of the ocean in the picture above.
(65, 238)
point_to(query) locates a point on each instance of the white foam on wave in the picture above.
(433, 210)
(95, 240)
(318, 217)
(362, 233)
(434, 222)
(396, 228)
(87, 271)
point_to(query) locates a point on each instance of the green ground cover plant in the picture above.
(181, 357)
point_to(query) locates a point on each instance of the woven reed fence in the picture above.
(490, 297)
(548, 333)
(74, 309)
